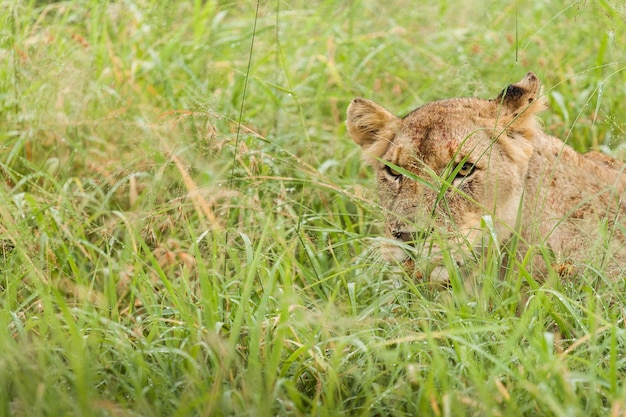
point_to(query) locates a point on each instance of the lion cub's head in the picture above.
(447, 167)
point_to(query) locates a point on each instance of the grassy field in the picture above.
(187, 230)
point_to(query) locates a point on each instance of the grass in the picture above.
(171, 249)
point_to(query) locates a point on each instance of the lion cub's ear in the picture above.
(521, 101)
(371, 126)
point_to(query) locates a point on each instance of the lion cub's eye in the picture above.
(395, 175)
(466, 169)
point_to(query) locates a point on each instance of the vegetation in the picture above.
(186, 229)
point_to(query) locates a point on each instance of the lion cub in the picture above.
(455, 176)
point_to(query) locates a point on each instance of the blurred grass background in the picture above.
(186, 228)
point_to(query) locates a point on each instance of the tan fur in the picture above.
(527, 183)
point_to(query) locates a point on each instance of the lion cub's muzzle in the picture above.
(418, 257)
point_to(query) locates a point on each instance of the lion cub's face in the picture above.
(447, 165)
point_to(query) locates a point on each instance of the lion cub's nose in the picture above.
(413, 235)
(404, 236)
